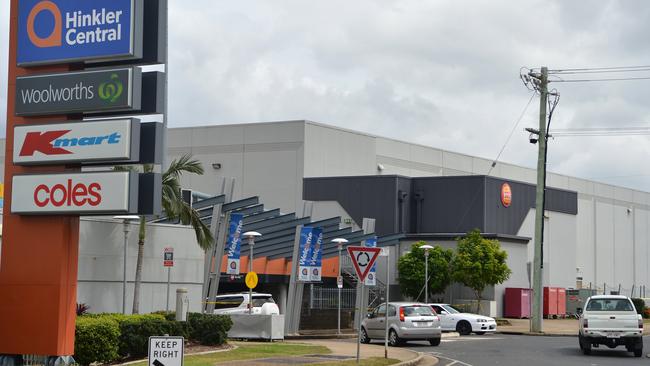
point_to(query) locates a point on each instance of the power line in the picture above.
(600, 72)
(630, 68)
(596, 80)
(521, 116)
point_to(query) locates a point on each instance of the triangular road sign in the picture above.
(363, 258)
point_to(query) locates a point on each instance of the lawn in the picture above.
(247, 351)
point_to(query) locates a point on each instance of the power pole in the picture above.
(538, 266)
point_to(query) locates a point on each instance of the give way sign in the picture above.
(363, 258)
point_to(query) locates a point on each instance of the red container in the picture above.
(517, 302)
(550, 301)
(561, 301)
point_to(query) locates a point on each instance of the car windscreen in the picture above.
(609, 305)
(261, 300)
(450, 309)
(417, 311)
(228, 302)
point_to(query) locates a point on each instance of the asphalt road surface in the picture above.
(517, 350)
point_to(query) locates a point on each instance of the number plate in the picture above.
(613, 335)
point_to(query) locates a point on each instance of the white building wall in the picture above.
(101, 246)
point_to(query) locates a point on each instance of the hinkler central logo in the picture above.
(75, 27)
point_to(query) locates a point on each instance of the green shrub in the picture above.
(135, 332)
(96, 340)
(639, 304)
(209, 329)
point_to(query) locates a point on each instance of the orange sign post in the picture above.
(38, 267)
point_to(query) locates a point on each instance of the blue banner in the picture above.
(233, 245)
(316, 261)
(58, 31)
(371, 278)
(304, 252)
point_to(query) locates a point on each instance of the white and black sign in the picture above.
(166, 351)
(79, 92)
(107, 140)
(75, 193)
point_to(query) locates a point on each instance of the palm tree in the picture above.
(175, 208)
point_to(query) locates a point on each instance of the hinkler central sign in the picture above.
(78, 193)
(78, 92)
(60, 31)
(107, 140)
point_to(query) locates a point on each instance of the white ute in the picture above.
(610, 320)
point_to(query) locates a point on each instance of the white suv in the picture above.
(263, 304)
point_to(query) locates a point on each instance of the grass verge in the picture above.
(248, 351)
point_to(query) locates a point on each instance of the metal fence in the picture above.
(328, 298)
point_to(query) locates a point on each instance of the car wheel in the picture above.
(480, 333)
(363, 338)
(585, 345)
(434, 341)
(638, 352)
(463, 327)
(393, 338)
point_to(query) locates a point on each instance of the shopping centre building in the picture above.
(595, 234)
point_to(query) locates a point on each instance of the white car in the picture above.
(263, 304)
(610, 320)
(463, 323)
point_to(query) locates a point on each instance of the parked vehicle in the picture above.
(464, 323)
(238, 304)
(610, 320)
(407, 321)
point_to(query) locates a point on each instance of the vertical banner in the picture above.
(316, 261)
(233, 246)
(371, 279)
(306, 238)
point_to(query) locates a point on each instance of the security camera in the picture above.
(533, 138)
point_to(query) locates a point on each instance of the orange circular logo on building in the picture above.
(506, 195)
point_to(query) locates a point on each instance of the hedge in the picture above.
(639, 304)
(96, 340)
(110, 337)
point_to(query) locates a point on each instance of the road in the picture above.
(506, 350)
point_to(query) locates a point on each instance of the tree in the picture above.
(479, 263)
(175, 208)
(411, 270)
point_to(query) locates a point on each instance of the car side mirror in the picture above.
(444, 313)
(370, 315)
(579, 311)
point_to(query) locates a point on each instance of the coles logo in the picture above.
(70, 194)
(506, 195)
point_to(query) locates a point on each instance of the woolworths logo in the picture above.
(111, 90)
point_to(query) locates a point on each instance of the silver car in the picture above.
(407, 321)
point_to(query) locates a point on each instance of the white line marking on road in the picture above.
(453, 361)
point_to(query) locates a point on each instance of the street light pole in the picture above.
(339, 281)
(251, 235)
(426, 248)
(125, 222)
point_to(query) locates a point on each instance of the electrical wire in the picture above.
(597, 80)
(604, 69)
(521, 116)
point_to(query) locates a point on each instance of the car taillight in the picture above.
(401, 314)
(437, 318)
(585, 323)
(640, 323)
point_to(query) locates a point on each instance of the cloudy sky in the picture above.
(438, 73)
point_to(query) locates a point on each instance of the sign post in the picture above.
(362, 260)
(168, 261)
(166, 351)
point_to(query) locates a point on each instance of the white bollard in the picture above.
(182, 304)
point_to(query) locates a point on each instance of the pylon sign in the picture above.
(362, 259)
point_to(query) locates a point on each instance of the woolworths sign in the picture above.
(79, 92)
